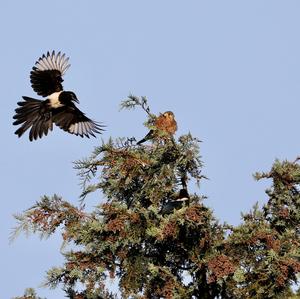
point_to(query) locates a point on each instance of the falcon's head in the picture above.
(169, 115)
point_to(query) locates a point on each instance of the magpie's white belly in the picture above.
(54, 101)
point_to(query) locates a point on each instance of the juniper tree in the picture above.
(157, 246)
(265, 248)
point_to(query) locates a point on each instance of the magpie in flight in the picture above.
(58, 107)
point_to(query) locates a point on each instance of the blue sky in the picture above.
(229, 70)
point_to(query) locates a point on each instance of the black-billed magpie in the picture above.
(58, 107)
(176, 203)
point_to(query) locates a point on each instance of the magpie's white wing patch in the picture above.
(58, 62)
(85, 128)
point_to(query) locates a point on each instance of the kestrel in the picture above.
(165, 122)
(58, 107)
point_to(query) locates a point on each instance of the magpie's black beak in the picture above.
(75, 99)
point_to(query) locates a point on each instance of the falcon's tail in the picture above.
(31, 114)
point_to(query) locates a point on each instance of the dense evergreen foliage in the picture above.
(157, 246)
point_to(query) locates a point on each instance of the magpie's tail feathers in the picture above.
(29, 114)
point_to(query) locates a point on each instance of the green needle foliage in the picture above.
(29, 294)
(182, 253)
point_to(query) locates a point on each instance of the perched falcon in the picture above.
(165, 122)
(58, 106)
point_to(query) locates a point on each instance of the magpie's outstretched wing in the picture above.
(46, 75)
(72, 120)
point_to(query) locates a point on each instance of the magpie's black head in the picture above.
(183, 193)
(68, 96)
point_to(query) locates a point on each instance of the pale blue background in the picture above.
(228, 69)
